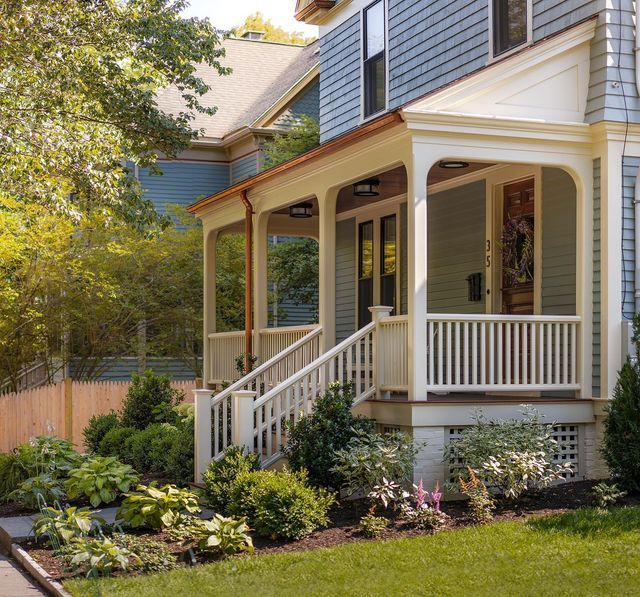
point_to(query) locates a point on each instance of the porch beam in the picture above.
(261, 279)
(209, 290)
(327, 200)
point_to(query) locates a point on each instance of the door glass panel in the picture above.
(365, 272)
(388, 261)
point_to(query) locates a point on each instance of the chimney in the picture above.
(253, 35)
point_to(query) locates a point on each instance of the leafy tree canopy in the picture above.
(77, 98)
(303, 135)
(257, 22)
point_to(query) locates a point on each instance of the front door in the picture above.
(377, 265)
(517, 248)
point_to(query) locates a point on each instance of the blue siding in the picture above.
(308, 102)
(122, 368)
(434, 42)
(629, 170)
(182, 183)
(457, 214)
(244, 168)
(597, 278)
(345, 278)
(558, 243)
(340, 79)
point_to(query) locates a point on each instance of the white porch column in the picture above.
(202, 426)
(260, 279)
(417, 171)
(327, 248)
(242, 419)
(209, 316)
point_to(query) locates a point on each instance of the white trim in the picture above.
(528, 42)
(372, 208)
(364, 119)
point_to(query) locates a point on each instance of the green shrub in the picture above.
(114, 443)
(157, 507)
(372, 526)
(514, 455)
(179, 463)
(48, 454)
(426, 518)
(371, 459)
(12, 472)
(100, 479)
(621, 445)
(65, 525)
(220, 474)
(223, 536)
(481, 505)
(38, 491)
(606, 495)
(279, 504)
(314, 440)
(149, 396)
(100, 557)
(98, 427)
(148, 450)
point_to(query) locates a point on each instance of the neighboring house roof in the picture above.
(262, 73)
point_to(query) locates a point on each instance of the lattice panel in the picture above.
(567, 436)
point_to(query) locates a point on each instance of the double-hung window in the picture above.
(374, 57)
(510, 24)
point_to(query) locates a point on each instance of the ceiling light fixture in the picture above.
(367, 188)
(301, 210)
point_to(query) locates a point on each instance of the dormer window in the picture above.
(510, 24)
(374, 59)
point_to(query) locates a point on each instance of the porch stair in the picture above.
(254, 411)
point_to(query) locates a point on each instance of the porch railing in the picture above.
(225, 347)
(502, 352)
(394, 346)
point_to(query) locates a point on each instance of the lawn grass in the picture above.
(579, 553)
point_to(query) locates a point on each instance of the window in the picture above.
(375, 93)
(388, 262)
(510, 24)
(365, 272)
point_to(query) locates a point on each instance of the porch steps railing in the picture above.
(214, 417)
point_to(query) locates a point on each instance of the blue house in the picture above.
(270, 87)
(475, 197)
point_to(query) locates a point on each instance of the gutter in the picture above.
(636, 199)
(378, 124)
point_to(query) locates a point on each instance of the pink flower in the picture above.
(435, 497)
(420, 495)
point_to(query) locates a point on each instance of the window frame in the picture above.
(493, 56)
(385, 61)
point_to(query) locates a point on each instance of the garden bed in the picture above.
(344, 526)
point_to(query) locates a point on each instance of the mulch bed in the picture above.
(345, 517)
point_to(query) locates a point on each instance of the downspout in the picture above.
(248, 269)
(636, 198)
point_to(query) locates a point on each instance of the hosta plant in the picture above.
(100, 479)
(100, 557)
(157, 508)
(67, 524)
(606, 495)
(223, 536)
(39, 491)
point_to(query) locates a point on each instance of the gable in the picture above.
(548, 81)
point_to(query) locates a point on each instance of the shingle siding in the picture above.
(434, 42)
(340, 79)
(558, 243)
(183, 182)
(597, 270)
(307, 103)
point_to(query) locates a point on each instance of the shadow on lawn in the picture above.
(590, 521)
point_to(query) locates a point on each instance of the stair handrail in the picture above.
(255, 373)
(319, 362)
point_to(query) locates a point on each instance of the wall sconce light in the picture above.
(367, 188)
(301, 210)
(453, 164)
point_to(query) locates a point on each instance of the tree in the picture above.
(78, 83)
(257, 22)
(303, 135)
(621, 446)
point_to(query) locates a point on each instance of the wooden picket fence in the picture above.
(63, 409)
